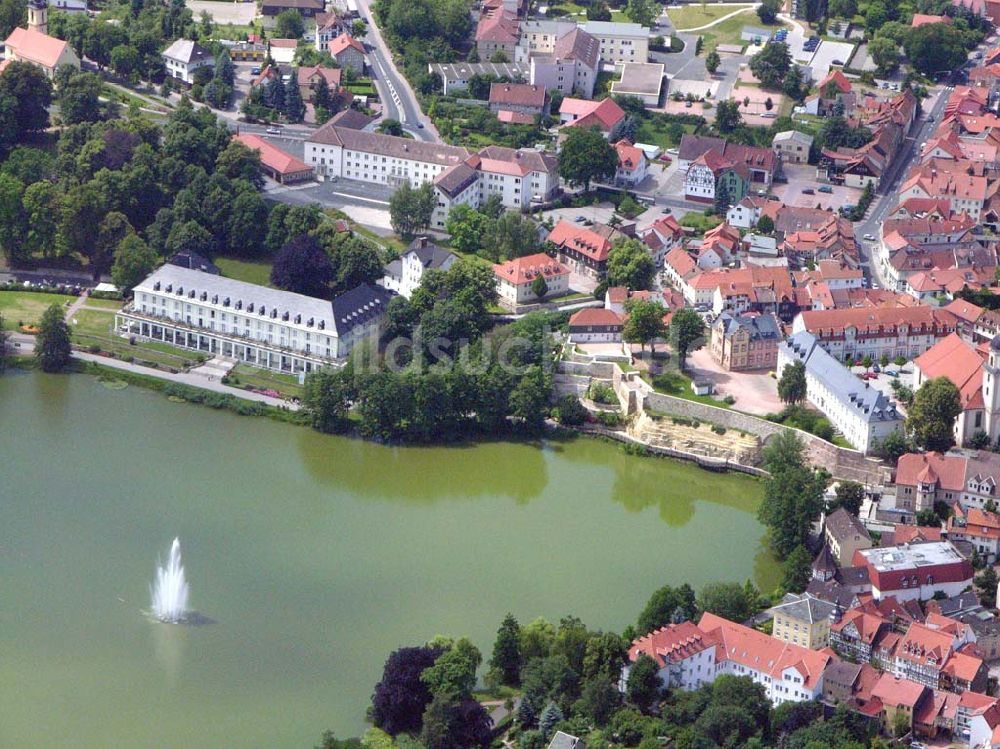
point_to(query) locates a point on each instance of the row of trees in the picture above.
(568, 677)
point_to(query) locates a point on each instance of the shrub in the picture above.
(729, 400)
(570, 412)
(718, 429)
(601, 393)
(899, 361)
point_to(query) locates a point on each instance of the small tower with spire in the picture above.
(38, 16)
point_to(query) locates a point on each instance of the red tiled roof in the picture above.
(629, 157)
(518, 94)
(604, 113)
(760, 652)
(671, 643)
(271, 156)
(515, 118)
(960, 362)
(581, 239)
(34, 46)
(339, 43)
(922, 19)
(524, 269)
(874, 319)
(963, 667)
(892, 690)
(596, 316)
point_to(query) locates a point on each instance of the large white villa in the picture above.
(264, 327)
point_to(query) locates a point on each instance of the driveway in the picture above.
(238, 14)
(755, 392)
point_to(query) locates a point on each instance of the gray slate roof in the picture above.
(187, 51)
(388, 145)
(760, 327)
(805, 607)
(431, 256)
(841, 524)
(872, 405)
(465, 70)
(565, 741)
(336, 318)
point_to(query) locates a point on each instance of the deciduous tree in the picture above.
(133, 261)
(630, 264)
(771, 64)
(931, 417)
(792, 383)
(687, 333)
(52, 344)
(401, 696)
(645, 322)
(585, 157)
(303, 267)
(411, 209)
(644, 682)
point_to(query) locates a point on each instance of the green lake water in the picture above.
(314, 556)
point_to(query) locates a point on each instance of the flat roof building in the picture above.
(643, 80)
(916, 571)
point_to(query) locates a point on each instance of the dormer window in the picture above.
(225, 302)
(298, 319)
(284, 316)
(215, 299)
(250, 307)
(239, 304)
(204, 296)
(156, 286)
(180, 291)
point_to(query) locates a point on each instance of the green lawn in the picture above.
(243, 375)
(111, 304)
(693, 16)
(26, 307)
(149, 352)
(654, 131)
(728, 32)
(93, 322)
(678, 384)
(251, 271)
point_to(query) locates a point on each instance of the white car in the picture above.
(673, 151)
(870, 237)
(274, 131)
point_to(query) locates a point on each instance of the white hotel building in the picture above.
(263, 327)
(519, 176)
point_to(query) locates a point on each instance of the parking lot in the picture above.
(803, 177)
(238, 14)
(825, 55)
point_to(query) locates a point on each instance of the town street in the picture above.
(887, 194)
(398, 100)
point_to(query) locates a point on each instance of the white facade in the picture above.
(620, 42)
(566, 76)
(512, 294)
(411, 273)
(686, 674)
(859, 412)
(182, 58)
(267, 328)
(699, 183)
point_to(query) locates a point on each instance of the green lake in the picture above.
(314, 556)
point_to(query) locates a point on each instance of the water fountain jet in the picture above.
(170, 593)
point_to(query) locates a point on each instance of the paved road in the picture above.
(887, 194)
(398, 99)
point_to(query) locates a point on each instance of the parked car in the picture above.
(255, 70)
(580, 219)
(673, 151)
(808, 191)
(837, 62)
(274, 131)
(870, 237)
(825, 188)
(876, 368)
(892, 373)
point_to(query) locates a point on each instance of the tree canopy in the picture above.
(771, 64)
(931, 416)
(586, 156)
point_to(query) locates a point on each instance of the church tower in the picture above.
(38, 16)
(991, 393)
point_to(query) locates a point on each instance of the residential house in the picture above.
(746, 213)
(762, 163)
(969, 478)
(833, 92)
(792, 147)
(348, 52)
(595, 326)
(404, 274)
(979, 527)
(584, 248)
(833, 239)
(745, 342)
(844, 534)
(662, 237)
(328, 27)
(863, 414)
(182, 58)
(916, 572)
(966, 315)
(840, 682)
(309, 77)
(803, 620)
(516, 279)
(854, 634)
(256, 325)
(632, 164)
(522, 98)
(897, 700)
(604, 114)
(714, 179)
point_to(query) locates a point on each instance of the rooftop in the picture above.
(644, 78)
(909, 557)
